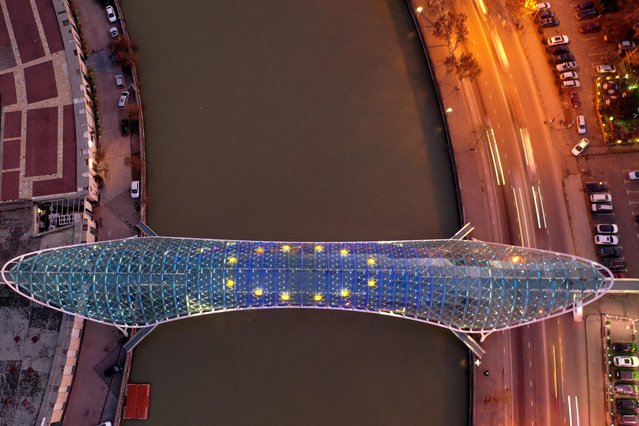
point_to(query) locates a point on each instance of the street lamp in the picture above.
(419, 10)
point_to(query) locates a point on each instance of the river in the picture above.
(283, 120)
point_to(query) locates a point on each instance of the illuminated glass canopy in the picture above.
(468, 286)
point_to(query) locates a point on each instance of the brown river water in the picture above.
(283, 120)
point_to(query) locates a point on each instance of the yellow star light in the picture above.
(258, 292)
(286, 248)
(372, 283)
(285, 296)
(230, 283)
(318, 297)
(343, 252)
(345, 292)
(319, 248)
(232, 260)
(259, 250)
(371, 261)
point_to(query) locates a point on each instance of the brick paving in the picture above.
(35, 92)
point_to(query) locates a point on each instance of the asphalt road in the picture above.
(544, 365)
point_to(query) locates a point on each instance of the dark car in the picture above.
(574, 99)
(627, 404)
(565, 57)
(609, 252)
(124, 127)
(615, 263)
(584, 5)
(557, 50)
(590, 27)
(549, 22)
(596, 186)
(113, 369)
(626, 389)
(544, 14)
(587, 14)
(625, 347)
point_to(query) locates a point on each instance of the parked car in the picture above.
(124, 97)
(587, 14)
(558, 59)
(544, 14)
(567, 66)
(606, 240)
(569, 75)
(569, 84)
(608, 252)
(549, 22)
(626, 45)
(581, 124)
(124, 127)
(601, 207)
(113, 369)
(590, 27)
(634, 175)
(626, 347)
(625, 361)
(614, 264)
(601, 197)
(584, 5)
(606, 228)
(627, 375)
(557, 40)
(114, 32)
(111, 14)
(543, 6)
(626, 389)
(596, 186)
(580, 147)
(119, 81)
(627, 419)
(574, 99)
(606, 69)
(135, 189)
(557, 50)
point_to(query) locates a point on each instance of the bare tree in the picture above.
(465, 66)
(451, 27)
(132, 111)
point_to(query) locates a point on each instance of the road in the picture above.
(544, 365)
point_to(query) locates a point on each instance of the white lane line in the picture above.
(577, 410)
(526, 227)
(536, 207)
(569, 410)
(521, 231)
(543, 211)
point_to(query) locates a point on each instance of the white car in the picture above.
(606, 69)
(581, 125)
(626, 45)
(135, 189)
(606, 240)
(607, 228)
(543, 6)
(570, 84)
(114, 32)
(569, 75)
(626, 361)
(601, 207)
(580, 147)
(567, 66)
(558, 40)
(601, 197)
(124, 97)
(111, 14)
(634, 175)
(119, 81)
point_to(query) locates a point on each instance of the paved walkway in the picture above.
(93, 397)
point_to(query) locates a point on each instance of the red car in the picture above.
(590, 27)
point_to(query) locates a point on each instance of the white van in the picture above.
(606, 69)
(581, 124)
(135, 189)
(567, 84)
(601, 207)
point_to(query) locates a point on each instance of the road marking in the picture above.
(569, 410)
(536, 207)
(577, 410)
(526, 227)
(521, 231)
(554, 368)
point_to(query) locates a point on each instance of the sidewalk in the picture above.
(93, 398)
